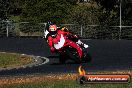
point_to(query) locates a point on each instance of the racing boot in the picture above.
(82, 44)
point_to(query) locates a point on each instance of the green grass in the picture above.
(11, 60)
(66, 84)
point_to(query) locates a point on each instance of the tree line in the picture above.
(101, 12)
(61, 11)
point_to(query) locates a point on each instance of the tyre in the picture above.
(73, 54)
(62, 59)
(87, 58)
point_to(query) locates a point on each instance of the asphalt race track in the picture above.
(106, 54)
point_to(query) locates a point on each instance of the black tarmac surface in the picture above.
(106, 54)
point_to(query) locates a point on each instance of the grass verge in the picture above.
(55, 81)
(67, 84)
(13, 59)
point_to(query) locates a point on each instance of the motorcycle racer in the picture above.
(53, 36)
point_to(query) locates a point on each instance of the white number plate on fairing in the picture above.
(61, 43)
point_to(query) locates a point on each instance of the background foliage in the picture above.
(100, 12)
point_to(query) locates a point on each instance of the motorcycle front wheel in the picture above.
(72, 54)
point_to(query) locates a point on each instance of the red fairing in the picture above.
(74, 45)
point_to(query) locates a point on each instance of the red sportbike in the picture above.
(68, 49)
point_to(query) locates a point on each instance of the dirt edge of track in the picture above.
(50, 77)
